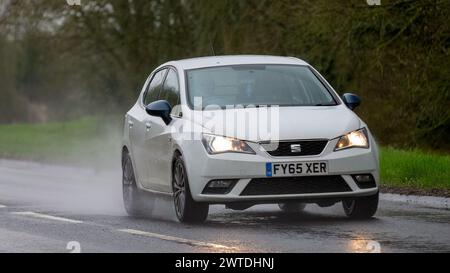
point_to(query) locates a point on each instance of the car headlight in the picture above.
(355, 139)
(219, 144)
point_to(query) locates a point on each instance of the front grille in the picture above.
(296, 185)
(292, 148)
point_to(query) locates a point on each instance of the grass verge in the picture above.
(86, 141)
(415, 172)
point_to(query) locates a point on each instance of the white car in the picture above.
(316, 150)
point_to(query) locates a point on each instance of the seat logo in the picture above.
(296, 148)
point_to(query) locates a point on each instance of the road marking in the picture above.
(176, 239)
(45, 216)
(2, 206)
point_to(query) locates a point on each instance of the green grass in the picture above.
(96, 141)
(415, 169)
(90, 140)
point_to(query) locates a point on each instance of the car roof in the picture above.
(212, 61)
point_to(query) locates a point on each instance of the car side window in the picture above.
(154, 87)
(171, 89)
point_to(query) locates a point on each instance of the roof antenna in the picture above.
(211, 44)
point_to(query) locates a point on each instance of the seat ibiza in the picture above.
(246, 130)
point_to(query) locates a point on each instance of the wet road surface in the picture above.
(44, 207)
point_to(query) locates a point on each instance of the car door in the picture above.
(159, 139)
(138, 122)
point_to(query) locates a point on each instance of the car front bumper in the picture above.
(202, 168)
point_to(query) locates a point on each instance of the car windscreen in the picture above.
(246, 85)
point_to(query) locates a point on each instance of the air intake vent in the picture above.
(296, 185)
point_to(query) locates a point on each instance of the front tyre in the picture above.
(362, 207)
(186, 209)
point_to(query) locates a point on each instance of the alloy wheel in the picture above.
(179, 188)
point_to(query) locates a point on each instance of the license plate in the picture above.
(296, 168)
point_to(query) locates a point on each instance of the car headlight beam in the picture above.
(219, 144)
(355, 139)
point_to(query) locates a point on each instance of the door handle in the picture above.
(148, 126)
(130, 123)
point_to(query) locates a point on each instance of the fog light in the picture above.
(363, 178)
(220, 183)
(219, 186)
(364, 181)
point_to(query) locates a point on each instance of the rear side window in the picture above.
(154, 87)
(171, 90)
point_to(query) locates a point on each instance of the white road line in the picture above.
(45, 216)
(177, 239)
(2, 206)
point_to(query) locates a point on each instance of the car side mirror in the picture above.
(351, 100)
(160, 108)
